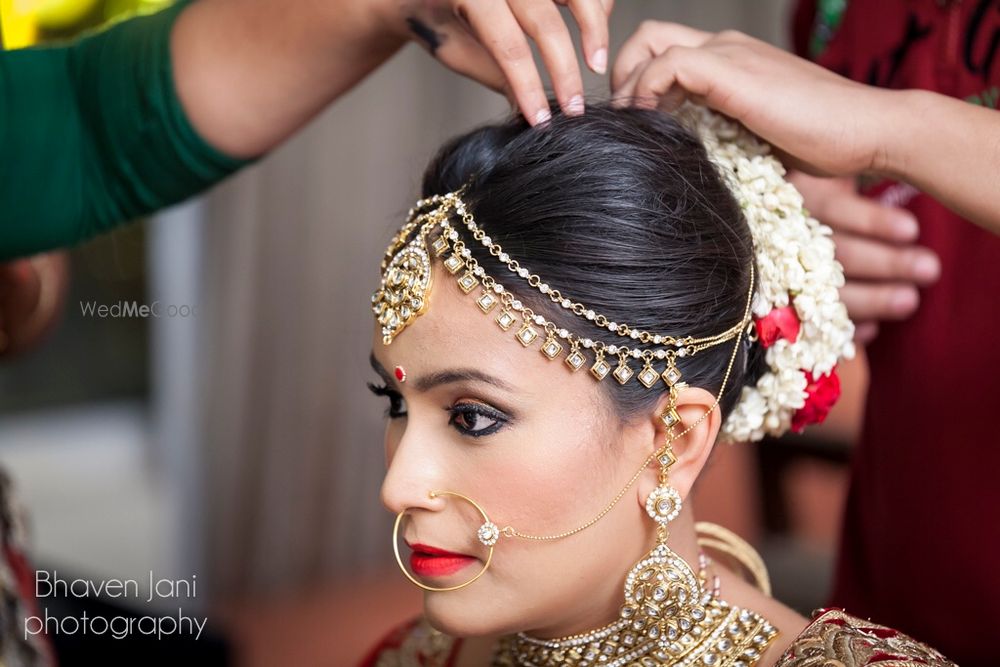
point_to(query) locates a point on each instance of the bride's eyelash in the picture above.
(461, 411)
(396, 409)
(460, 414)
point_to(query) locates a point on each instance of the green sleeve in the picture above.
(92, 135)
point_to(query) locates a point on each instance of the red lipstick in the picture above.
(427, 561)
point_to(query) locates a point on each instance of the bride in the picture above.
(566, 325)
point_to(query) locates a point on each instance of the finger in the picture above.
(867, 259)
(627, 94)
(20, 289)
(23, 288)
(650, 40)
(792, 162)
(879, 301)
(544, 24)
(865, 332)
(624, 93)
(631, 57)
(850, 212)
(592, 17)
(462, 53)
(681, 70)
(499, 32)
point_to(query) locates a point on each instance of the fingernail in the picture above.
(906, 226)
(575, 105)
(543, 116)
(865, 332)
(904, 302)
(927, 268)
(599, 61)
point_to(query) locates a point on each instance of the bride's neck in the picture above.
(603, 606)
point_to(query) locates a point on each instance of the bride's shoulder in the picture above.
(413, 644)
(853, 641)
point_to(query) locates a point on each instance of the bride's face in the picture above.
(537, 446)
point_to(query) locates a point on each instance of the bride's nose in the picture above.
(415, 468)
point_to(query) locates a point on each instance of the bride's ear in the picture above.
(694, 447)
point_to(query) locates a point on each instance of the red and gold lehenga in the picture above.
(832, 639)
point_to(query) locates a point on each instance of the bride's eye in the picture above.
(397, 405)
(475, 419)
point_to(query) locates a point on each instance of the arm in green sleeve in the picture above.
(92, 135)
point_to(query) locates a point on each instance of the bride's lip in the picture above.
(428, 561)
(435, 551)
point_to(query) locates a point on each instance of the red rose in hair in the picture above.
(822, 393)
(779, 323)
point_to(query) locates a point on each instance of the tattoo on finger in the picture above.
(429, 37)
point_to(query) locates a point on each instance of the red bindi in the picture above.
(400, 374)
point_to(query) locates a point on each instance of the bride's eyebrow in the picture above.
(380, 369)
(428, 382)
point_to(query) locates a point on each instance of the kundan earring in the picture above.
(664, 597)
(668, 614)
(668, 618)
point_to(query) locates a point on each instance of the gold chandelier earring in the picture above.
(668, 617)
(664, 599)
(679, 620)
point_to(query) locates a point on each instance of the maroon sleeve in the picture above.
(393, 640)
(803, 18)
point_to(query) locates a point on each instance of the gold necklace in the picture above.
(668, 620)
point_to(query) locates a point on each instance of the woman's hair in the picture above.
(619, 209)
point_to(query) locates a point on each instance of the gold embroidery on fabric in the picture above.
(836, 638)
(423, 647)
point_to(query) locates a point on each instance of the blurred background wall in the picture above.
(239, 442)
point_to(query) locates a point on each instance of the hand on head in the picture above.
(822, 122)
(816, 120)
(488, 41)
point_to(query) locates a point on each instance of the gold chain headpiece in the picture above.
(406, 283)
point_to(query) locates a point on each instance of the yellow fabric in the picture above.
(17, 24)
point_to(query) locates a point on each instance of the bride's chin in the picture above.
(459, 618)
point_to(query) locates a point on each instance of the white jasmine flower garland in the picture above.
(795, 267)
